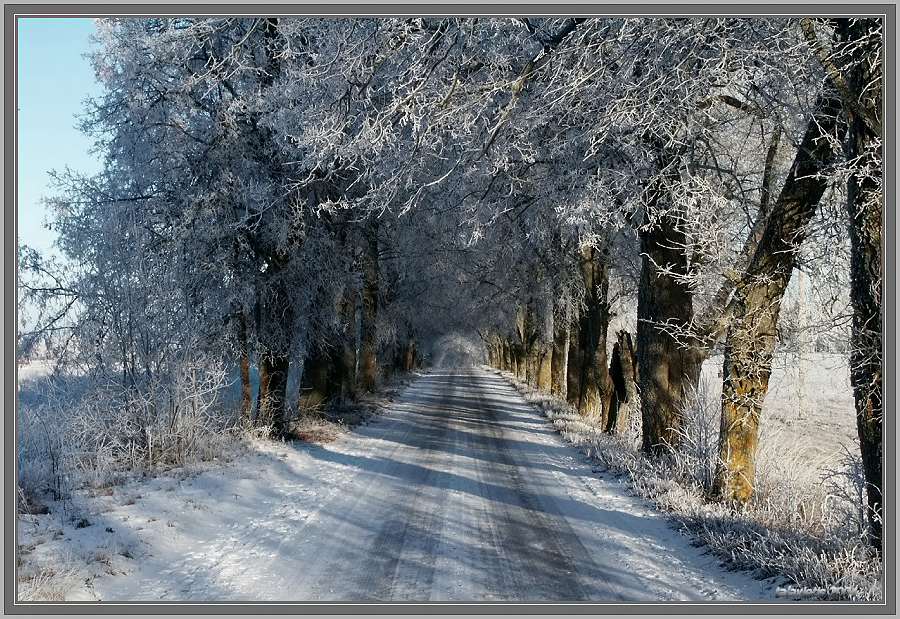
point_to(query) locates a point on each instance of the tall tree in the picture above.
(855, 71)
(751, 339)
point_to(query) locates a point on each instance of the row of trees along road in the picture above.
(324, 198)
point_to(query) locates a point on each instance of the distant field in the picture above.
(809, 404)
(33, 369)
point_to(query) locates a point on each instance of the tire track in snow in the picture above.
(393, 511)
(552, 562)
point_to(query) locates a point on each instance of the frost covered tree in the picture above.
(853, 66)
(605, 201)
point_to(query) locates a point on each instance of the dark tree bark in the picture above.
(560, 358)
(492, 347)
(369, 344)
(404, 359)
(409, 357)
(262, 391)
(573, 369)
(246, 387)
(507, 356)
(528, 343)
(274, 366)
(520, 360)
(751, 337)
(275, 313)
(544, 342)
(275, 343)
(524, 358)
(866, 364)
(595, 386)
(863, 75)
(623, 372)
(319, 383)
(668, 372)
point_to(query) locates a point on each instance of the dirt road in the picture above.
(461, 491)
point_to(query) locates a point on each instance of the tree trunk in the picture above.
(319, 383)
(369, 344)
(865, 210)
(668, 372)
(544, 342)
(522, 344)
(531, 353)
(329, 366)
(623, 372)
(491, 345)
(246, 387)
(560, 357)
(543, 382)
(530, 326)
(272, 403)
(520, 361)
(864, 200)
(409, 359)
(751, 337)
(573, 365)
(594, 381)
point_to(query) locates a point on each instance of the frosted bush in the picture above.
(695, 459)
(67, 440)
(47, 584)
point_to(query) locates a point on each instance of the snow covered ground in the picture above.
(460, 491)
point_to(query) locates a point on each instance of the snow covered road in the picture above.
(461, 491)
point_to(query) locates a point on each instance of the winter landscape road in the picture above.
(460, 491)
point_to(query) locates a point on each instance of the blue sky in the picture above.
(54, 80)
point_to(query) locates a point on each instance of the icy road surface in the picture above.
(461, 491)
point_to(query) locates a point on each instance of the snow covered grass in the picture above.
(78, 440)
(85, 476)
(324, 424)
(314, 428)
(47, 583)
(806, 523)
(74, 432)
(98, 533)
